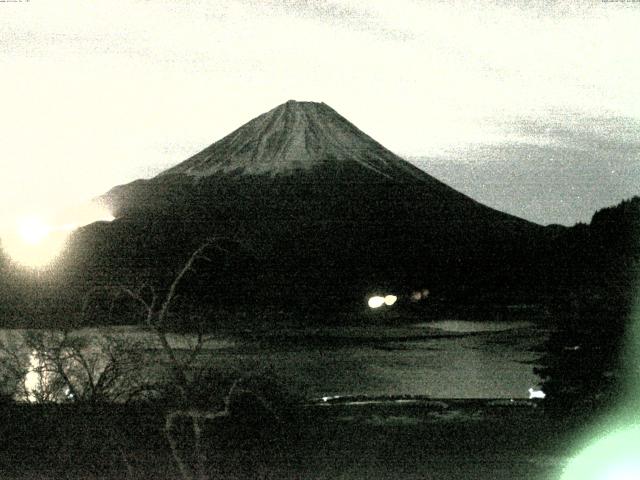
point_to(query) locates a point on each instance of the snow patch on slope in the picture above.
(295, 136)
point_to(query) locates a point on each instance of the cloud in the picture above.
(352, 15)
(97, 93)
(580, 131)
(561, 170)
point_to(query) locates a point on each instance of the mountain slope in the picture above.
(295, 136)
(298, 143)
(322, 212)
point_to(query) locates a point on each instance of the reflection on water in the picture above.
(480, 360)
(36, 379)
(464, 326)
(41, 381)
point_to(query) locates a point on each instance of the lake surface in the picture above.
(442, 359)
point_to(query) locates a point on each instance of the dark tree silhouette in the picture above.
(595, 281)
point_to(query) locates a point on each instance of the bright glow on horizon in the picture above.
(35, 242)
(33, 230)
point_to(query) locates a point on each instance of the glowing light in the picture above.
(333, 397)
(35, 243)
(418, 295)
(33, 230)
(32, 242)
(35, 379)
(390, 300)
(68, 227)
(94, 213)
(612, 458)
(376, 302)
(84, 214)
(536, 393)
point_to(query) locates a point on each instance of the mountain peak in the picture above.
(296, 135)
(301, 102)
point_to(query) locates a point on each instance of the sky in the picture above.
(530, 107)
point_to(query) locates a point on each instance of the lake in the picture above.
(441, 359)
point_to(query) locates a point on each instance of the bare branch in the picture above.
(195, 351)
(196, 255)
(136, 296)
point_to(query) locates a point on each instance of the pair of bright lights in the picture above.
(378, 301)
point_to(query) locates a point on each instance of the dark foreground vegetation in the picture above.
(468, 440)
(585, 280)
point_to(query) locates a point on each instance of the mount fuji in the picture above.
(313, 211)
